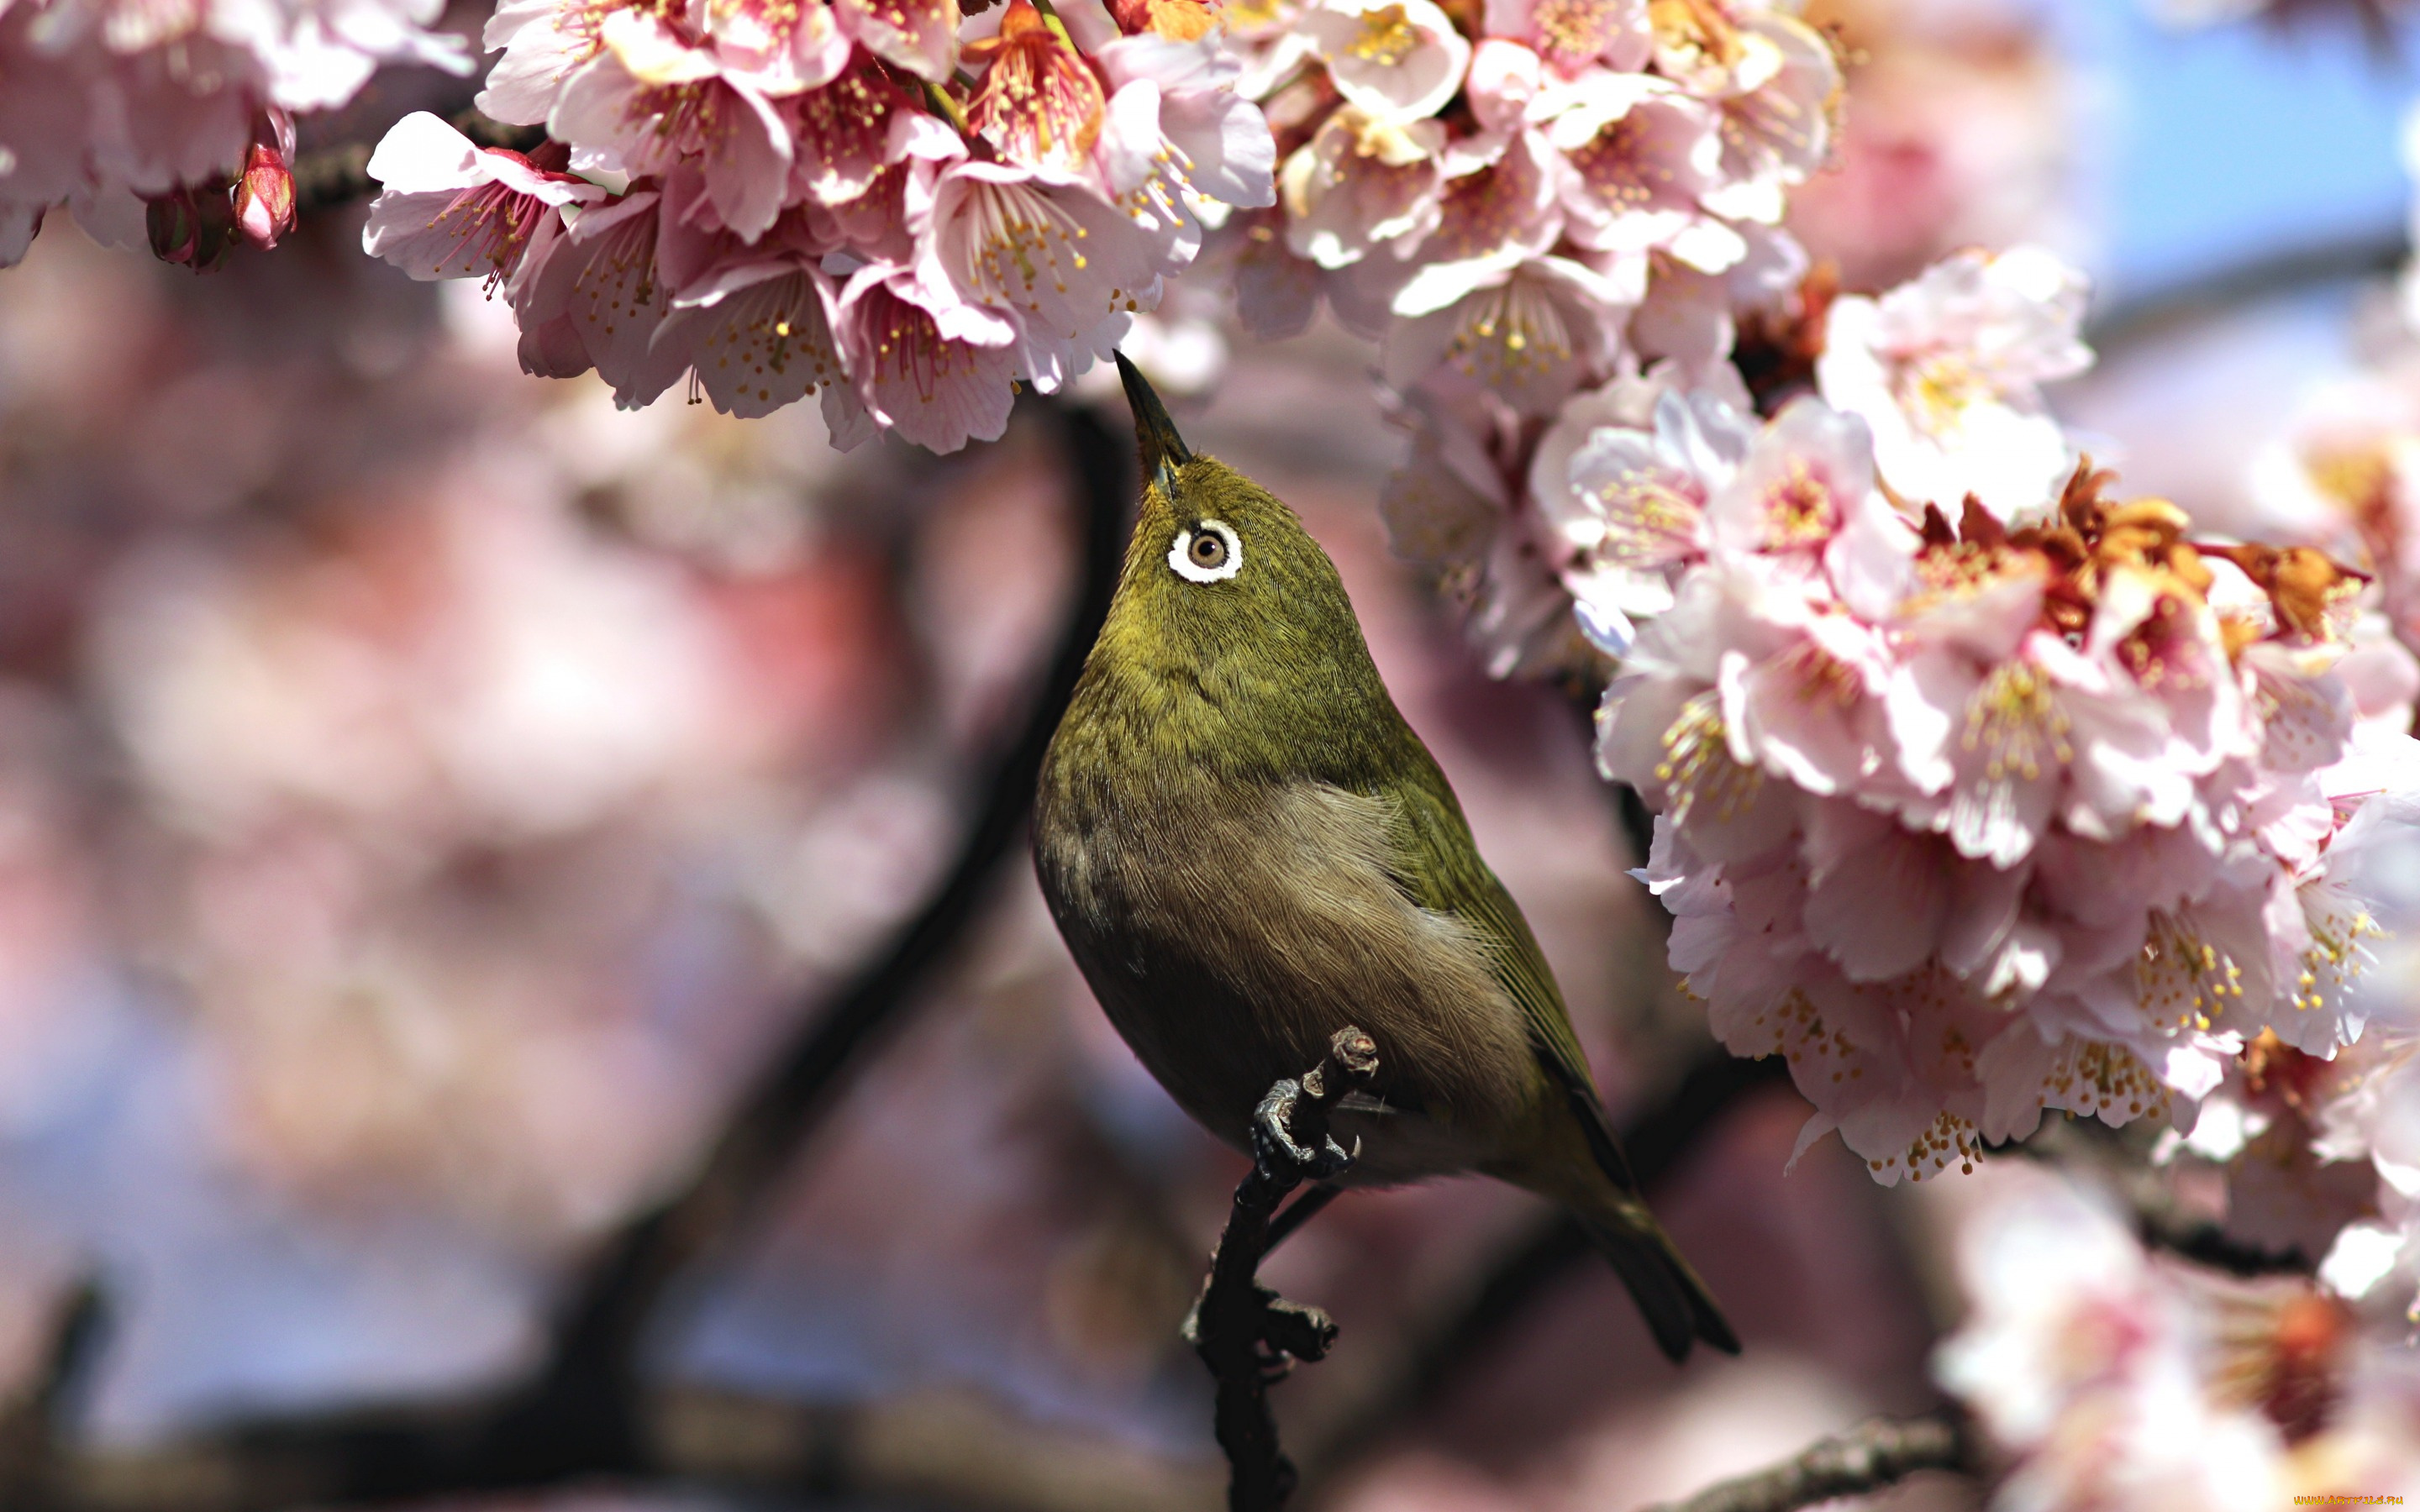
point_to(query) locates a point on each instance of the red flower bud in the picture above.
(264, 198)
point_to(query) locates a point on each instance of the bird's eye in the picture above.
(1207, 553)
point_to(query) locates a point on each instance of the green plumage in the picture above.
(1246, 849)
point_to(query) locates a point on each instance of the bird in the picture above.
(1248, 849)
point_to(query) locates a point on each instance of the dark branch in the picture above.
(931, 1449)
(927, 1449)
(585, 1413)
(331, 177)
(593, 1374)
(1867, 1458)
(2206, 1244)
(2162, 311)
(30, 1424)
(1305, 1208)
(2118, 1160)
(1247, 1334)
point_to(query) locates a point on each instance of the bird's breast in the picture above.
(1230, 931)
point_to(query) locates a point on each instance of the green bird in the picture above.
(1246, 849)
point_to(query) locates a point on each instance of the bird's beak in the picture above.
(1163, 450)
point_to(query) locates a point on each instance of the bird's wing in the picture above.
(1442, 870)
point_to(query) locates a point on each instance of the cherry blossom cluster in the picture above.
(173, 124)
(2112, 1379)
(1521, 199)
(1518, 518)
(907, 210)
(2322, 1156)
(1516, 192)
(1971, 819)
(1524, 200)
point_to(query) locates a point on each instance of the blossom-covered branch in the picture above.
(907, 211)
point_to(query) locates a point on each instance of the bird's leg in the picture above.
(1247, 1335)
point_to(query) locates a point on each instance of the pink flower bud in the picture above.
(264, 198)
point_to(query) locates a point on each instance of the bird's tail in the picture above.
(1678, 1308)
(1585, 1170)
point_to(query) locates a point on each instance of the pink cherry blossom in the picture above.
(542, 41)
(919, 36)
(1947, 370)
(1179, 137)
(1573, 34)
(2097, 1369)
(851, 130)
(590, 296)
(934, 389)
(1362, 183)
(763, 338)
(1496, 209)
(1041, 103)
(1630, 499)
(1972, 824)
(1777, 133)
(653, 97)
(723, 176)
(1399, 60)
(449, 209)
(1045, 266)
(1457, 513)
(1644, 153)
(1693, 317)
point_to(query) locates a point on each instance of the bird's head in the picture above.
(1223, 591)
(1214, 553)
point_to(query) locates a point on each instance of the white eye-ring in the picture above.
(1213, 556)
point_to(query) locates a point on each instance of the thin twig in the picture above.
(1873, 1455)
(1533, 1264)
(1247, 1334)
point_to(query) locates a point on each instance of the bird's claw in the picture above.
(1277, 1151)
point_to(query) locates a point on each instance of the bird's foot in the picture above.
(1284, 1158)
